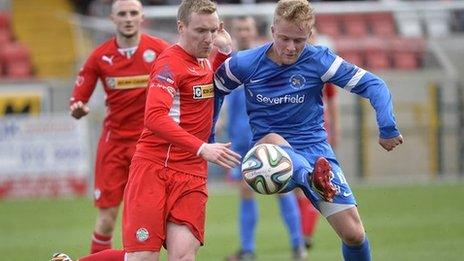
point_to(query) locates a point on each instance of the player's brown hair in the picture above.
(187, 7)
(295, 11)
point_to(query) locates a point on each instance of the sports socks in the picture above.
(309, 216)
(291, 216)
(100, 243)
(106, 255)
(248, 216)
(357, 253)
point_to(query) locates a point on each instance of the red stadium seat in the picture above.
(18, 69)
(328, 24)
(14, 51)
(5, 37)
(382, 24)
(5, 21)
(377, 54)
(350, 50)
(407, 53)
(355, 24)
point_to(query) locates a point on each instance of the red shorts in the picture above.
(111, 171)
(156, 195)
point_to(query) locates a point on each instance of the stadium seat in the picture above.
(5, 37)
(328, 24)
(407, 53)
(382, 24)
(376, 54)
(5, 21)
(355, 24)
(18, 69)
(350, 50)
(14, 51)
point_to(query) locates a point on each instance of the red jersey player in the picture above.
(122, 64)
(165, 197)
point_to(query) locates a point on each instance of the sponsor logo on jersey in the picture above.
(295, 99)
(127, 82)
(108, 59)
(149, 56)
(165, 75)
(79, 80)
(297, 81)
(205, 91)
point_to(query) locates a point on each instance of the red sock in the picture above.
(100, 243)
(309, 216)
(106, 255)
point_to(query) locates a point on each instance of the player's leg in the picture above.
(181, 243)
(309, 217)
(111, 170)
(291, 216)
(349, 227)
(144, 217)
(247, 215)
(342, 214)
(185, 228)
(303, 171)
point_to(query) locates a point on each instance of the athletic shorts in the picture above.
(156, 195)
(343, 196)
(111, 171)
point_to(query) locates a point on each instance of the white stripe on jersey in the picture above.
(220, 85)
(333, 69)
(355, 79)
(174, 112)
(229, 72)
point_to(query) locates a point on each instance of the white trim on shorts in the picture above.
(327, 208)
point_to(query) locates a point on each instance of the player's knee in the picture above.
(142, 256)
(106, 220)
(273, 138)
(184, 256)
(354, 238)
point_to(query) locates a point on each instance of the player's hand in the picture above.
(221, 154)
(223, 41)
(390, 144)
(79, 109)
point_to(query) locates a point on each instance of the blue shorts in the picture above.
(344, 195)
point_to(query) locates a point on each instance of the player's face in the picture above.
(198, 35)
(244, 32)
(127, 16)
(289, 40)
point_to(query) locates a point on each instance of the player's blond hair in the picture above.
(113, 3)
(295, 11)
(187, 7)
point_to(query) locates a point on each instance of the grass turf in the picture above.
(403, 223)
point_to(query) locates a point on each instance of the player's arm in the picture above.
(227, 78)
(83, 88)
(161, 91)
(368, 85)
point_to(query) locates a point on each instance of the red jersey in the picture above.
(124, 80)
(179, 111)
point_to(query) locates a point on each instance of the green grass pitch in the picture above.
(423, 222)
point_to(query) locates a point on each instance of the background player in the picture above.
(283, 81)
(122, 64)
(244, 34)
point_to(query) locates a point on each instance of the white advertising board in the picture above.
(43, 156)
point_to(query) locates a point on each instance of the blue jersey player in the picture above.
(244, 33)
(283, 82)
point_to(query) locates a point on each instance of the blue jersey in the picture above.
(287, 99)
(238, 128)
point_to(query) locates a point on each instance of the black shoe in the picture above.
(300, 253)
(241, 256)
(308, 242)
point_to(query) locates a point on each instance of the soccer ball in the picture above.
(267, 168)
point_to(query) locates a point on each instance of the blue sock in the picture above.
(248, 216)
(357, 253)
(291, 215)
